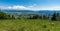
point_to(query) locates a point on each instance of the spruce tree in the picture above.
(54, 16)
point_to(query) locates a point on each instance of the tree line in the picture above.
(4, 15)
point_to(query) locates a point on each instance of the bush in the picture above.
(34, 17)
(44, 26)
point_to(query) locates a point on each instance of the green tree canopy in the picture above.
(54, 16)
(3, 15)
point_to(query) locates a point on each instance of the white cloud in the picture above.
(17, 7)
(52, 8)
(14, 7)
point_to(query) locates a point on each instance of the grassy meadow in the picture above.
(29, 25)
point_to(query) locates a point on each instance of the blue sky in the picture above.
(30, 4)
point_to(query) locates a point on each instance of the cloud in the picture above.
(52, 8)
(14, 7)
(32, 7)
(17, 7)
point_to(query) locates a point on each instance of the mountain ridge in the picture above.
(44, 12)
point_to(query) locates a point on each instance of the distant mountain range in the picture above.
(38, 12)
(17, 10)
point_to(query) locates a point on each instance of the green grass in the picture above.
(29, 25)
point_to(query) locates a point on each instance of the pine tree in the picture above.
(54, 16)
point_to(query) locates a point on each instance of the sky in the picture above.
(30, 4)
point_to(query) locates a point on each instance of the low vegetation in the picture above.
(29, 25)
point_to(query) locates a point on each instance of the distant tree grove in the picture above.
(4, 15)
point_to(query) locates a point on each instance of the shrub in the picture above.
(44, 26)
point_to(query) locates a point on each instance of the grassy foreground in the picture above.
(29, 25)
